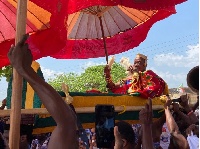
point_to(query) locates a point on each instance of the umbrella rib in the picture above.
(114, 20)
(87, 27)
(96, 27)
(2, 35)
(14, 14)
(135, 15)
(106, 26)
(78, 26)
(35, 17)
(72, 19)
(7, 20)
(123, 17)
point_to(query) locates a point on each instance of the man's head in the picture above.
(127, 134)
(25, 135)
(140, 62)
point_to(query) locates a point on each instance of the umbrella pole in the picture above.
(104, 40)
(15, 115)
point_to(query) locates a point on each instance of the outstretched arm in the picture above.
(145, 117)
(173, 128)
(184, 103)
(181, 114)
(3, 104)
(109, 83)
(64, 135)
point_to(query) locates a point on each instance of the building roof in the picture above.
(186, 89)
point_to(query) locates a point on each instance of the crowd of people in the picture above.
(173, 127)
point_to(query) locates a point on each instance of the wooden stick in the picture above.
(79, 110)
(15, 113)
(104, 40)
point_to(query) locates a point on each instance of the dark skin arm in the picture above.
(184, 103)
(156, 131)
(65, 133)
(181, 114)
(157, 128)
(109, 82)
(173, 128)
(196, 105)
(3, 104)
(145, 117)
(193, 128)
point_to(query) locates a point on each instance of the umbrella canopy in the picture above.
(37, 19)
(54, 41)
(123, 27)
(77, 5)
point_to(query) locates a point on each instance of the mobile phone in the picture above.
(104, 125)
(176, 100)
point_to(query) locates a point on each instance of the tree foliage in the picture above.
(6, 72)
(93, 77)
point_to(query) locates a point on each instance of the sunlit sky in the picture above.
(172, 47)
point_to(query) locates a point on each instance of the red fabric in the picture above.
(155, 89)
(52, 42)
(8, 21)
(76, 5)
(83, 49)
(150, 84)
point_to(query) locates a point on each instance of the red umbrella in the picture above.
(97, 30)
(37, 19)
(82, 46)
(54, 41)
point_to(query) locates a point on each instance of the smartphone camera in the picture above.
(104, 125)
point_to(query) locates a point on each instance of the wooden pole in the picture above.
(16, 100)
(79, 110)
(104, 40)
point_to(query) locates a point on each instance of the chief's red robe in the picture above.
(147, 84)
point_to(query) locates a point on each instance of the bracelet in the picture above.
(190, 112)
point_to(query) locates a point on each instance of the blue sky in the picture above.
(172, 47)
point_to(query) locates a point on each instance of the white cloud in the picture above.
(173, 80)
(189, 59)
(91, 63)
(48, 73)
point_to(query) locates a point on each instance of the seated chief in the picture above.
(140, 82)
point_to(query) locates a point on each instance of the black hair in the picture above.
(24, 130)
(126, 131)
(2, 143)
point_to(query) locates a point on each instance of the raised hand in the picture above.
(167, 103)
(184, 100)
(118, 139)
(20, 56)
(192, 128)
(107, 71)
(175, 107)
(132, 69)
(146, 114)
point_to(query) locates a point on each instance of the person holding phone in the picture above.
(64, 135)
